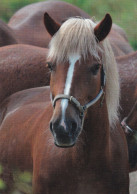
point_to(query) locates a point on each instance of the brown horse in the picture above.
(28, 25)
(22, 67)
(128, 80)
(7, 35)
(129, 125)
(85, 96)
(130, 122)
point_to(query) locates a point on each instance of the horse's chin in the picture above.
(64, 145)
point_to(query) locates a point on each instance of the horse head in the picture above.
(77, 73)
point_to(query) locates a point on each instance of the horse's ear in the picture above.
(51, 25)
(103, 28)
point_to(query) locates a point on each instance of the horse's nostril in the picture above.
(51, 127)
(73, 127)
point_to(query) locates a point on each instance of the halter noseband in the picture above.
(77, 104)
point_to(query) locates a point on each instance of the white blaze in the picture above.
(64, 103)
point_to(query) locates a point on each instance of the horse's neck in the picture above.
(96, 131)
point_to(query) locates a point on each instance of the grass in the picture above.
(123, 12)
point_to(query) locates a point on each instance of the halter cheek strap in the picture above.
(126, 128)
(77, 104)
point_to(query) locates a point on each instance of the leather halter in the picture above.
(126, 128)
(77, 104)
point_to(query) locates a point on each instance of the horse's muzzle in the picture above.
(65, 133)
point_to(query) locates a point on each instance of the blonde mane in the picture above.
(76, 35)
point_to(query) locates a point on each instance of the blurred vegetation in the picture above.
(123, 12)
(22, 182)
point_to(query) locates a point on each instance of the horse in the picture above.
(69, 134)
(129, 125)
(127, 66)
(128, 80)
(7, 36)
(120, 42)
(22, 67)
(28, 25)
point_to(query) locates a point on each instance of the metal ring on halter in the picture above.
(71, 100)
(126, 128)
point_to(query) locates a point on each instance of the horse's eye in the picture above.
(95, 68)
(50, 66)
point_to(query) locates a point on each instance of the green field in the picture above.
(123, 12)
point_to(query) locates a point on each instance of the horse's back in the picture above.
(23, 66)
(7, 36)
(29, 20)
(130, 58)
(118, 38)
(120, 31)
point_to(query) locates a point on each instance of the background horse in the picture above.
(128, 80)
(7, 35)
(129, 125)
(22, 67)
(28, 26)
(98, 163)
(131, 119)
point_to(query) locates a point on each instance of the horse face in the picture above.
(77, 78)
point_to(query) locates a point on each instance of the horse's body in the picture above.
(129, 125)
(74, 170)
(22, 67)
(98, 163)
(131, 119)
(27, 24)
(119, 43)
(7, 35)
(128, 80)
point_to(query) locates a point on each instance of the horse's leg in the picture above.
(7, 177)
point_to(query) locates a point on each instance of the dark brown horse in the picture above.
(130, 122)
(28, 25)
(22, 67)
(80, 61)
(129, 125)
(128, 115)
(7, 35)
(128, 80)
